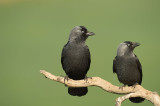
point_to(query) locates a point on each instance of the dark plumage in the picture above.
(127, 66)
(75, 58)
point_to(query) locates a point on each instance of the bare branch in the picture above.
(121, 99)
(137, 91)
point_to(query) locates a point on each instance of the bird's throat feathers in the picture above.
(77, 39)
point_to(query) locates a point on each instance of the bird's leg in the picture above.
(135, 85)
(121, 87)
(65, 78)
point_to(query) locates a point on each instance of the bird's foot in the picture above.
(135, 85)
(66, 78)
(121, 87)
(86, 79)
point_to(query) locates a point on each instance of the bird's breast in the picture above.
(127, 71)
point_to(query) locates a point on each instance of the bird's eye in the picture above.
(82, 31)
(128, 45)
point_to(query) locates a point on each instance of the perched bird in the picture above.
(75, 58)
(127, 67)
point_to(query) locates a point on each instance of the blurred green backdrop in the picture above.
(33, 33)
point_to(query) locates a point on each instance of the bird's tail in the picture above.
(78, 91)
(136, 99)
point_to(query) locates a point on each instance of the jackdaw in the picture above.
(128, 67)
(75, 58)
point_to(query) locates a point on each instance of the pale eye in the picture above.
(128, 44)
(82, 31)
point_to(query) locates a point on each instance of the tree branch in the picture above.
(137, 91)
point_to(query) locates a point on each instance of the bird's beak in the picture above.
(135, 44)
(90, 33)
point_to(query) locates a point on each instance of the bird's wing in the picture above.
(114, 65)
(63, 55)
(88, 57)
(139, 68)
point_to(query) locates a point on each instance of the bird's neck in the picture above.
(77, 41)
(129, 54)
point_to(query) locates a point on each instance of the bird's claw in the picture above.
(135, 85)
(66, 78)
(121, 87)
(86, 79)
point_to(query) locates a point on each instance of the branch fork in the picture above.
(137, 91)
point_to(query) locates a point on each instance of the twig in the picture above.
(137, 91)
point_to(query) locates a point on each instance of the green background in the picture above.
(33, 33)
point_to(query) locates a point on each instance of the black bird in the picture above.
(75, 58)
(128, 67)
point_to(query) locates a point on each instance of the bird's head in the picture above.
(126, 48)
(79, 34)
